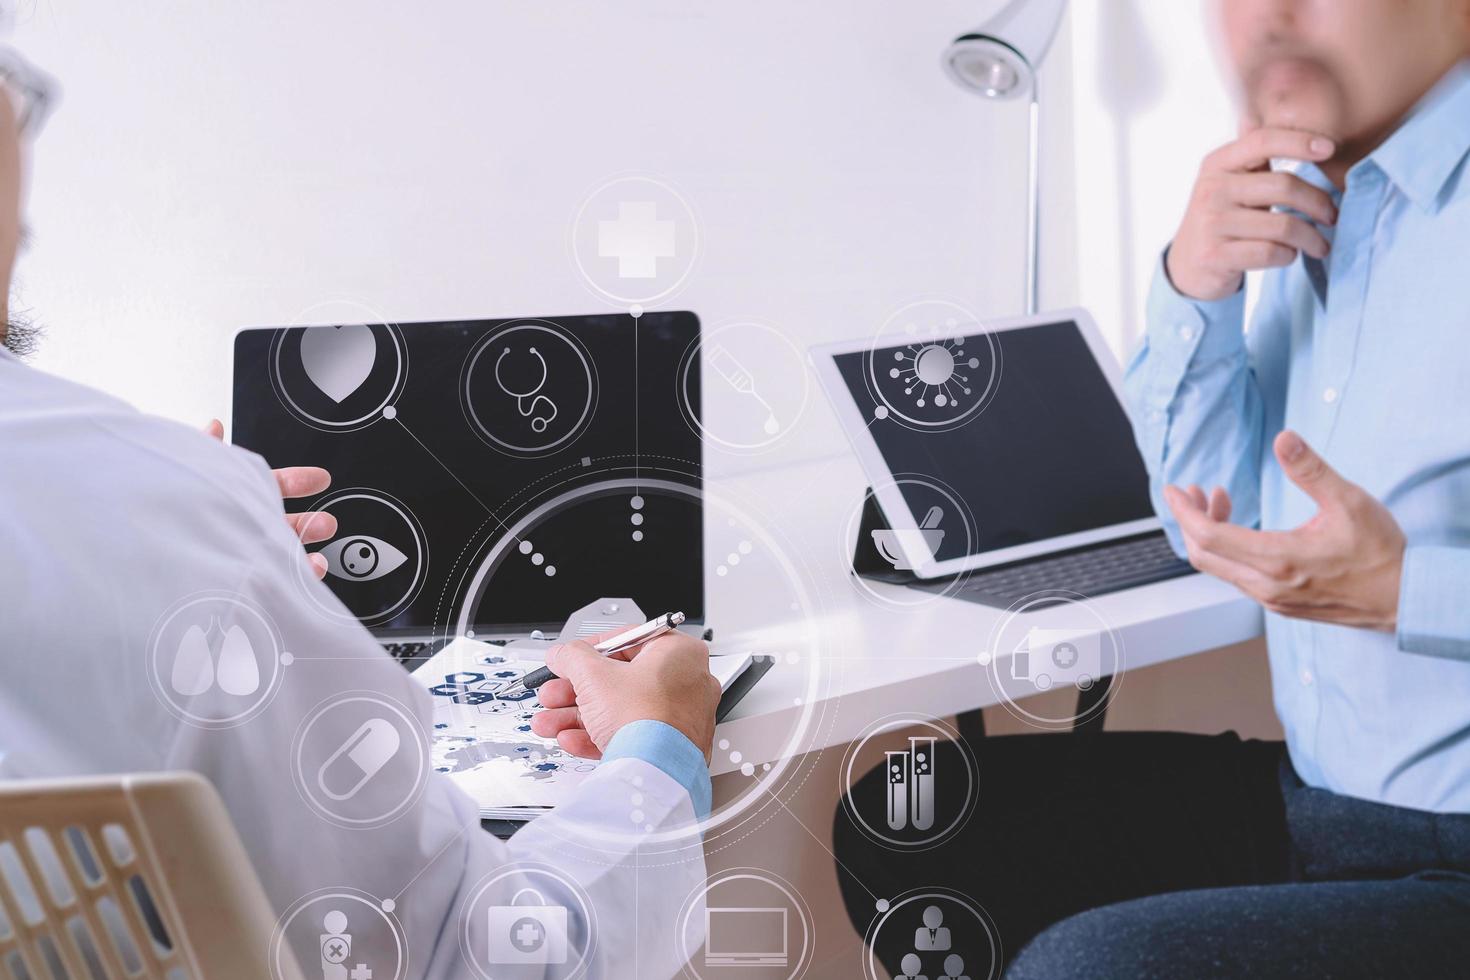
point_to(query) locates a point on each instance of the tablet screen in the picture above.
(500, 473)
(1051, 453)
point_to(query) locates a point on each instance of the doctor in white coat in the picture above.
(130, 543)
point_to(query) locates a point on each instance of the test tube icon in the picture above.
(898, 790)
(921, 808)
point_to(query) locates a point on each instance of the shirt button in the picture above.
(1329, 395)
(1156, 416)
(1306, 676)
(1186, 332)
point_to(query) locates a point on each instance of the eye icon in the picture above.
(362, 558)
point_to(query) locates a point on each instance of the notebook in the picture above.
(485, 744)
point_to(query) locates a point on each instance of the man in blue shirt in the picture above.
(1319, 461)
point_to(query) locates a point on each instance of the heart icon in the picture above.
(339, 359)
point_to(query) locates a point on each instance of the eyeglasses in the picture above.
(32, 91)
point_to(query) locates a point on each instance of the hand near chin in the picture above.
(296, 482)
(1232, 224)
(1342, 566)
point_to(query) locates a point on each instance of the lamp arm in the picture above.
(1033, 201)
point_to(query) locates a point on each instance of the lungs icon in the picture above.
(195, 672)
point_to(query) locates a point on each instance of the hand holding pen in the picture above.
(594, 695)
(614, 643)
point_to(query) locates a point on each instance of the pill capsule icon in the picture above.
(358, 759)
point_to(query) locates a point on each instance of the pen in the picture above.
(616, 643)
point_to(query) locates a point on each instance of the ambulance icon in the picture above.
(1047, 657)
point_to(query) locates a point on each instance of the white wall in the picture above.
(1150, 101)
(227, 163)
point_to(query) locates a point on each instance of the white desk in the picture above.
(919, 660)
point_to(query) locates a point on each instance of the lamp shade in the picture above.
(999, 58)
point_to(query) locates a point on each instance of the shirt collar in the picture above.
(1424, 152)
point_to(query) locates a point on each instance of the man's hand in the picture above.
(1342, 566)
(1229, 226)
(299, 481)
(667, 679)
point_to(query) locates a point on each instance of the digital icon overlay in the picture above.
(378, 561)
(342, 372)
(890, 541)
(1076, 648)
(532, 931)
(756, 384)
(339, 359)
(746, 936)
(1051, 656)
(746, 922)
(215, 660)
(909, 782)
(362, 558)
(931, 367)
(933, 933)
(942, 526)
(361, 759)
(634, 240)
(529, 388)
(339, 934)
(527, 921)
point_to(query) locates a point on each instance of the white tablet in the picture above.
(990, 443)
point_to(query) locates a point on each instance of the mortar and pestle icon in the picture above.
(893, 542)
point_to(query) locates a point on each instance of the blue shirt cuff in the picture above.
(1434, 602)
(1182, 330)
(669, 749)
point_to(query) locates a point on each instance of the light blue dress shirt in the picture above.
(664, 746)
(1367, 356)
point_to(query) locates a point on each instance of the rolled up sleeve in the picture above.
(1196, 410)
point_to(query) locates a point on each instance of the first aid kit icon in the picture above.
(529, 933)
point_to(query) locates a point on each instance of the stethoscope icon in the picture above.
(538, 423)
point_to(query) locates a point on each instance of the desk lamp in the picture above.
(998, 60)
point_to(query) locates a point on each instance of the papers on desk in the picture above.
(484, 742)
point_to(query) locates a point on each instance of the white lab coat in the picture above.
(107, 518)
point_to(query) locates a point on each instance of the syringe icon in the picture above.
(736, 375)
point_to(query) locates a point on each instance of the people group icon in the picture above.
(931, 937)
(954, 968)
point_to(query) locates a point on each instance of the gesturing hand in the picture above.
(299, 481)
(666, 679)
(1342, 566)
(1229, 226)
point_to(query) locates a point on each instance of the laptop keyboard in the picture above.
(1091, 571)
(405, 651)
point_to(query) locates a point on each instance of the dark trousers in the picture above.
(1144, 855)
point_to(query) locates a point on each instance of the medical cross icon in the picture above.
(360, 972)
(527, 935)
(637, 239)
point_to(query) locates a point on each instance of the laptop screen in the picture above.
(1050, 453)
(499, 473)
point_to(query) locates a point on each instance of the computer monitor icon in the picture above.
(745, 936)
